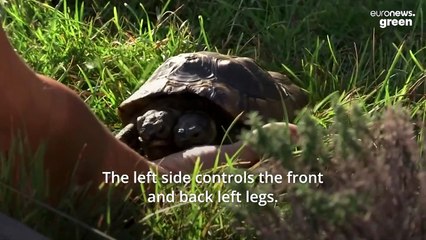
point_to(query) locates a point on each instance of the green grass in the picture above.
(334, 49)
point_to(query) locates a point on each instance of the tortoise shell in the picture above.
(235, 84)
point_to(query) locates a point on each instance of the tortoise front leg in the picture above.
(129, 135)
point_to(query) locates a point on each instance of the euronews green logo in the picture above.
(399, 18)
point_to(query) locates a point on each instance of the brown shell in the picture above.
(236, 84)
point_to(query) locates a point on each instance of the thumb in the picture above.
(293, 130)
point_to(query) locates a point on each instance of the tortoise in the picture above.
(192, 99)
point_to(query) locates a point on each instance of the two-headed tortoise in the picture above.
(192, 99)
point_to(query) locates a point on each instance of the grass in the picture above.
(334, 49)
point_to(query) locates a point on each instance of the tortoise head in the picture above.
(155, 130)
(156, 125)
(194, 129)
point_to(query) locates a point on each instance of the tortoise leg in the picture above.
(129, 136)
